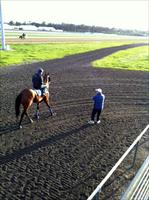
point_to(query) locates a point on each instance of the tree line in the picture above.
(83, 28)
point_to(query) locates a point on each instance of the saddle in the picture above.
(38, 92)
(41, 92)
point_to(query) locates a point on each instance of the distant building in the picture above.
(52, 29)
(8, 27)
(43, 28)
(28, 28)
(59, 30)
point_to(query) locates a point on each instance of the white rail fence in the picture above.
(139, 187)
(96, 192)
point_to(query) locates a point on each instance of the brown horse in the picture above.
(28, 96)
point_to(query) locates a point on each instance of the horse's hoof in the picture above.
(20, 127)
(36, 116)
(53, 114)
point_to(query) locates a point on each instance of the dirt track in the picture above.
(62, 157)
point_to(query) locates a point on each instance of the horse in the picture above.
(29, 96)
(22, 36)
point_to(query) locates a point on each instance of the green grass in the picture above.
(132, 59)
(27, 53)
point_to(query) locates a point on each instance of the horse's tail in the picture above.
(17, 104)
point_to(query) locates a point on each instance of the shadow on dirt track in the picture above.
(62, 157)
(19, 153)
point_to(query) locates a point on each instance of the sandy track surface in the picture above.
(62, 157)
(53, 39)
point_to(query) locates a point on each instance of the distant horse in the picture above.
(28, 96)
(22, 36)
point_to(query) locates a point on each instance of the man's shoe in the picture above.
(91, 122)
(98, 122)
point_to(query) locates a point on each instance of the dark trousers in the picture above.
(94, 112)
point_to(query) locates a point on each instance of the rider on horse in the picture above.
(28, 96)
(37, 81)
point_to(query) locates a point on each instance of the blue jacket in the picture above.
(99, 101)
(37, 81)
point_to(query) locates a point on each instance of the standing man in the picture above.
(98, 105)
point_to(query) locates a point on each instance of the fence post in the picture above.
(97, 195)
(135, 154)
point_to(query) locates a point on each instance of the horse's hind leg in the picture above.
(31, 121)
(26, 107)
(37, 112)
(22, 115)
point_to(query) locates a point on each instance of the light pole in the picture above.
(2, 28)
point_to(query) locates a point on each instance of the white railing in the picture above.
(139, 187)
(97, 191)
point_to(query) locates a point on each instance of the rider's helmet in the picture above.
(40, 71)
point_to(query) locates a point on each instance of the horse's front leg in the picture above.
(46, 100)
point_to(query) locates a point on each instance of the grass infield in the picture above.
(131, 59)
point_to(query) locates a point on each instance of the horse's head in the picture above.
(46, 79)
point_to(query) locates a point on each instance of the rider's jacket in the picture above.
(37, 81)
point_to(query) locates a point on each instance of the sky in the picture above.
(125, 14)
